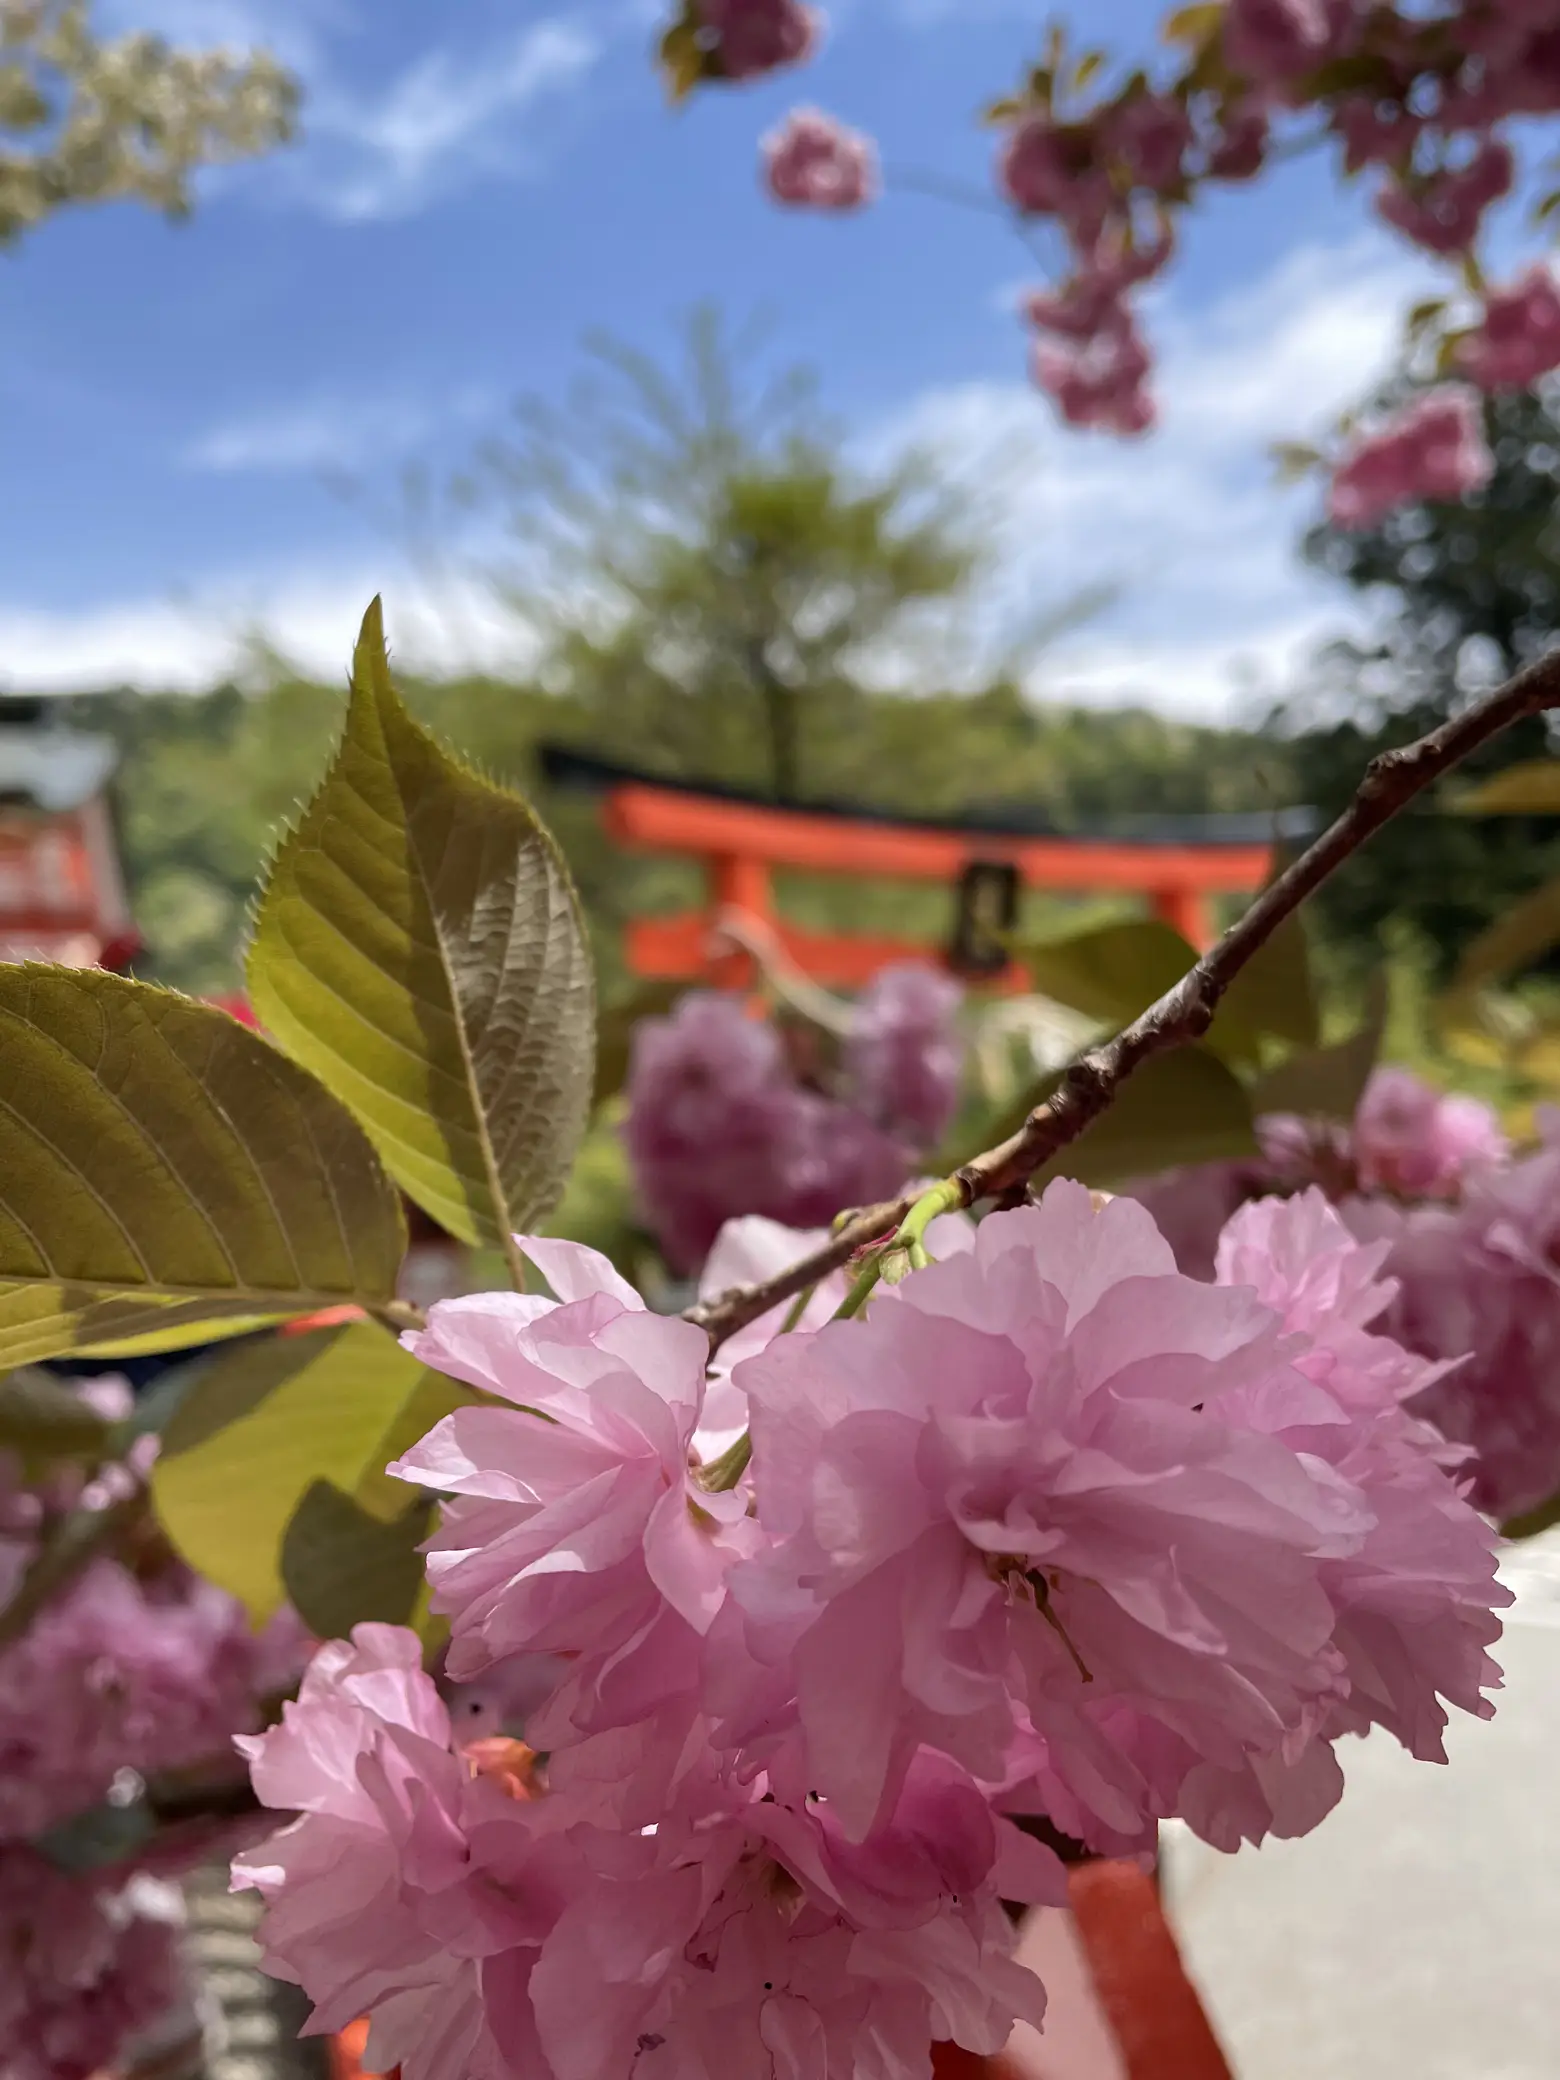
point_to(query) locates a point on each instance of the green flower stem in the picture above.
(723, 1473)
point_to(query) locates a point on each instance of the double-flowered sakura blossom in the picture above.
(740, 1934)
(719, 1125)
(814, 162)
(1472, 1238)
(82, 1970)
(1049, 1533)
(1433, 449)
(577, 1527)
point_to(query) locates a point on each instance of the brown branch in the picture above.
(1184, 1012)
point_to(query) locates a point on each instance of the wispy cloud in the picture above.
(1188, 524)
(310, 617)
(447, 119)
(444, 121)
(330, 433)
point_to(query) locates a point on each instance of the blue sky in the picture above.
(483, 181)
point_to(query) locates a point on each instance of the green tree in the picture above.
(710, 579)
(88, 119)
(1467, 593)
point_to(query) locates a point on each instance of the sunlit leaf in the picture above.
(163, 1168)
(419, 946)
(1197, 24)
(1295, 459)
(1517, 938)
(261, 1426)
(1529, 789)
(1088, 66)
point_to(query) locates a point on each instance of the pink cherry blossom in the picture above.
(1478, 1283)
(752, 1250)
(1433, 449)
(814, 162)
(1149, 135)
(119, 1674)
(752, 37)
(84, 1970)
(1519, 338)
(1419, 1142)
(406, 1876)
(1278, 41)
(905, 1055)
(1415, 1602)
(768, 1946)
(1444, 211)
(576, 1526)
(1046, 170)
(1239, 152)
(718, 1127)
(1101, 382)
(973, 1494)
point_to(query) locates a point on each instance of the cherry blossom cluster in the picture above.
(1045, 1536)
(721, 1123)
(1473, 1241)
(135, 1667)
(87, 1970)
(1422, 101)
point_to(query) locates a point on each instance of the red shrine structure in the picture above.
(1179, 865)
(62, 895)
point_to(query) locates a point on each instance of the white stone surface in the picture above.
(1417, 1932)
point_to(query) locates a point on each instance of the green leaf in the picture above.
(1533, 1521)
(264, 1425)
(1183, 1107)
(1087, 67)
(1111, 973)
(682, 60)
(43, 1419)
(1295, 459)
(1118, 970)
(1516, 939)
(1326, 1082)
(419, 946)
(1195, 25)
(1529, 789)
(164, 1169)
(1274, 994)
(343, 1567)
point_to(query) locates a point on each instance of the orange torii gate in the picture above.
(1178, 864)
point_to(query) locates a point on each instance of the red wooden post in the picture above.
(1151, 2005)
(737, 882)
(1185, 909)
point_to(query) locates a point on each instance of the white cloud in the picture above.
(436, 624)
(443, 121)
(329, 433)
(448, 118)
(1188, 523)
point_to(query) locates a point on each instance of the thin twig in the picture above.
(1185, 1012)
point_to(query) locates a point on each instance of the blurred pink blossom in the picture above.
(814, 162)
